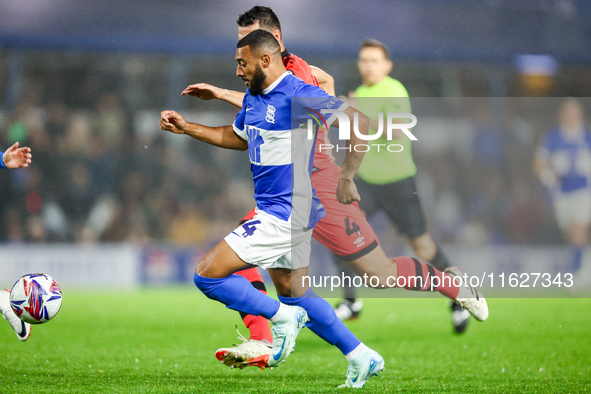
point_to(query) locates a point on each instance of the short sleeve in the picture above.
(311, 100)
(2, 165)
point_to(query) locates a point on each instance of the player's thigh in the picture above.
(290, 268)
(578, 230)
(572, 208)
(265, 241)
(345, 231)
(221, 261)
(583, 208)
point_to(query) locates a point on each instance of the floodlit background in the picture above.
(83, 84)
(112, 203)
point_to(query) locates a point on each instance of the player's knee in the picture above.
(204, 266)
(200, 268)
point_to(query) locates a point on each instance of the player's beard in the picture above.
(256, 82)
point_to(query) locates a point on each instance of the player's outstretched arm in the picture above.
(222, 136)
(205, 91)
(347, 191)
(16, 157)
(325, 80)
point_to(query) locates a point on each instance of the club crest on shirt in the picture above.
(270, 117)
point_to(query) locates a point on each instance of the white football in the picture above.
(36, 298)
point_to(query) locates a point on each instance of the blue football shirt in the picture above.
(569, 157)
(281, 155)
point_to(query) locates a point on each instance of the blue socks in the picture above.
(323, 321)
(237, 293)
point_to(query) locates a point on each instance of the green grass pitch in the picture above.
(162, 340)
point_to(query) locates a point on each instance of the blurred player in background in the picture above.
(387, 179)
(14, 157)
(563, 165)
(334, 230)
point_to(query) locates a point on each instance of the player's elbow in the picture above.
(328, 84)
(363, 123)
(241, 145)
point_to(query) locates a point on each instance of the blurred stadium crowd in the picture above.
(103, 171)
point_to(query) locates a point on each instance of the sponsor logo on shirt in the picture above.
(270, 117)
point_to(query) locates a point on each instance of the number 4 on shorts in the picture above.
(250, 228)
(351, 228)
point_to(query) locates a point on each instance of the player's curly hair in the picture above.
(265, 15)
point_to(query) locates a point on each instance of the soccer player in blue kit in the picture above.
(333, 231)
(563, 165)
(14, 157)
(278, 237)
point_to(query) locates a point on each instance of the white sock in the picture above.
(350, 356)
(276, 317)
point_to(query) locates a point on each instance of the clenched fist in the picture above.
(173, 122)
(347, 191)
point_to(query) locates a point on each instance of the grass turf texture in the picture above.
(162, 340)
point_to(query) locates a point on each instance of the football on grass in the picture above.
(36, 298)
